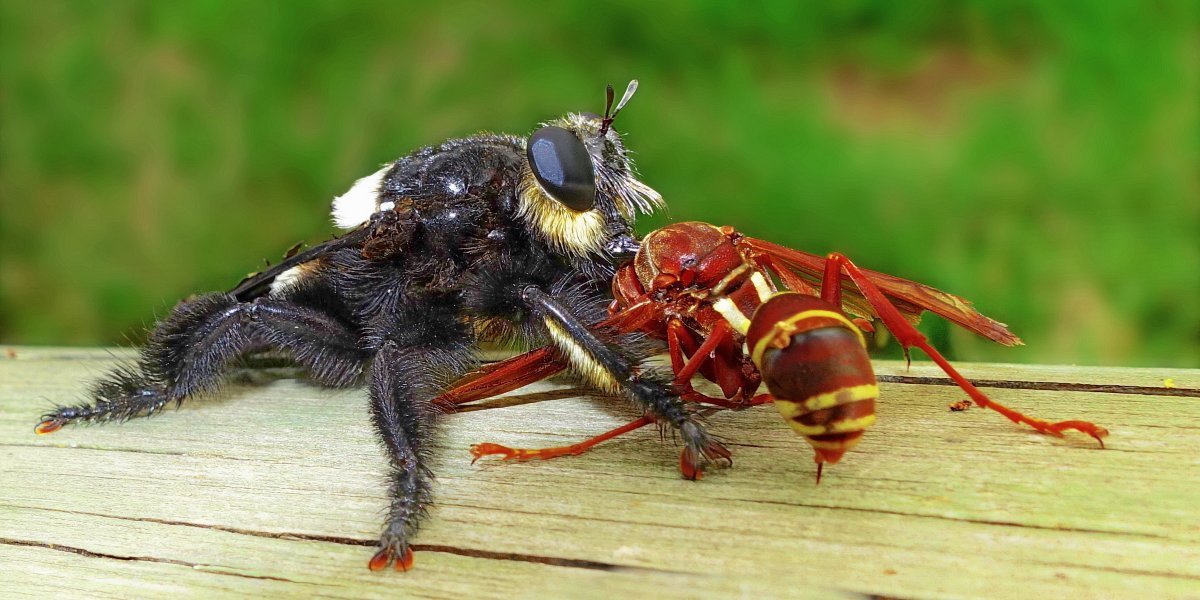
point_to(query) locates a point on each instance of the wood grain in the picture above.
(277, 489)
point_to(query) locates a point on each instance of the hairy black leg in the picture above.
(611, 371)
(188, 351)
(414, 361)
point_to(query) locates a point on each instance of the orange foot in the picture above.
(1057, 429)
(690, 465)
(49, 425)
(1046, 427)
(387, 556)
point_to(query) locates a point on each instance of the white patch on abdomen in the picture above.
(286, 280)
(293, 276)
(359, 203)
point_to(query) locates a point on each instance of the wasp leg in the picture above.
(414, 358)
(505, 453)
(188, 351)
(679, 341)
(610, 371)
(908, 336)
(684, 370)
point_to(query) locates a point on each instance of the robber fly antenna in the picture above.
(610, 113)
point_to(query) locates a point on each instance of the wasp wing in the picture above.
(502, 377)
(910, 297)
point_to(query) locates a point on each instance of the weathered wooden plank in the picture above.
(277, 490)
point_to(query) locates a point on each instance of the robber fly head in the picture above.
(580, 191)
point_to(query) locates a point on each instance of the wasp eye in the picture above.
(562, 165)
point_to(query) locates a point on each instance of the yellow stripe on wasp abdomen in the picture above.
(814, 362)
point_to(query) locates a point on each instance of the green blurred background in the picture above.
(1039, 158)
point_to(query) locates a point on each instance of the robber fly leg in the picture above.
(412, 361)
(908, 336)
(190, 349)
(610, 371)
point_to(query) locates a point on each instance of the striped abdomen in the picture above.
(814, 362)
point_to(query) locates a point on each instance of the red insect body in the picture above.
(693, 284)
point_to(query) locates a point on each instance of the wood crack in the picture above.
(556, 561)
(153, 559)
(1124, 570)
(1056, 386)
(951, 519)
(145, 451)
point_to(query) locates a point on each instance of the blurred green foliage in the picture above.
(1039, 158)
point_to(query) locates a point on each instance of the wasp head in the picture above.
(689, 254)
(580, 191)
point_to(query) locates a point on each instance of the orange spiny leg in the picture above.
(908, 336)
(505, 453)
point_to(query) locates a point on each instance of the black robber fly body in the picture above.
(485, 236)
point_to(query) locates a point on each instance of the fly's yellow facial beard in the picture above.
(567, 231)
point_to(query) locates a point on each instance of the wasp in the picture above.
(711, 293)
(489, 236)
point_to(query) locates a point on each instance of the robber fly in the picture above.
(486, 236)
(710, 293)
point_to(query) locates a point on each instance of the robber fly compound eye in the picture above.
(563, 167)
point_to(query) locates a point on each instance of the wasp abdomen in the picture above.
(814, 362)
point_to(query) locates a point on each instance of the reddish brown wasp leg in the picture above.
(758, 400)
(505, 453)
(719, 333)
(684, 372)
(685, 369)
(908, 336)
(523, 369)
(676, 332)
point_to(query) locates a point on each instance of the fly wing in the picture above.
(909, 297)
(259, 284)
